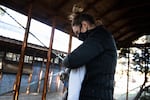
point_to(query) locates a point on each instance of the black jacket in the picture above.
(98, 52)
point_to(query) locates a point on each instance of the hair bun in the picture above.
(77, 9)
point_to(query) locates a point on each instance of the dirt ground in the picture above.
(34, 96)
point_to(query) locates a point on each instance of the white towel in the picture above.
(75, 81)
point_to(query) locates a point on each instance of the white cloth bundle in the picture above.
(75, 81)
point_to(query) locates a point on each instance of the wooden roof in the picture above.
(126, 19)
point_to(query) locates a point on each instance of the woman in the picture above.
(97, 52)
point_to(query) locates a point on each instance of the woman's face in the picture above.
(77, 29)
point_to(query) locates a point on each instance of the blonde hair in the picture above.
(76, 10)
(78, 15)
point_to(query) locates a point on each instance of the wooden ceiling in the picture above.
(126, 19)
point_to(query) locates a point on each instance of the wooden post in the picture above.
(1, 64)
(30, 78)
(70, 43)
(50, 80)
(29, 81)
(40, 76)
(21, 60)
(128, 74)
(1, 74)
(39, 81)
(48, 61)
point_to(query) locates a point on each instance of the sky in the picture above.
(10, 28)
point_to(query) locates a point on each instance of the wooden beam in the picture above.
(90, 5)
(128, 43)
(141, 28)
(124, 6)
(138, 25)
(70, 43)
(131, 4)
(29, 81)
(129, 17)
(141, 45)
(48, 61)
(21, 61)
